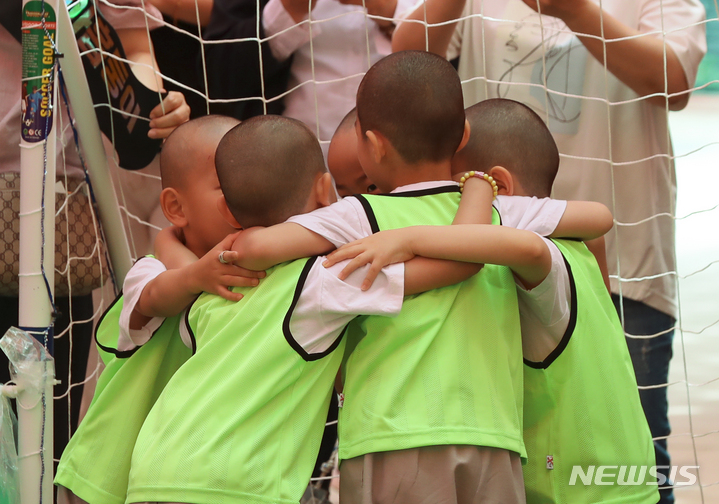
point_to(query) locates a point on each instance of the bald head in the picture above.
(343, 161)
(414, 99)
(348, 122)
(510, 134)
(192, 145)
(267, 166)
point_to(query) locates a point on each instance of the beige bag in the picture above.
(88, 268)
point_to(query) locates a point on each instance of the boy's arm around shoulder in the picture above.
(450, 254)
(170, 248)
(585, 220)
(427, 273)
(259, 248)
(304, 235)
(421, 273)
(524, 252)
(170, 292)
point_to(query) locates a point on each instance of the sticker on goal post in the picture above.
(550, 462)
(38, 61)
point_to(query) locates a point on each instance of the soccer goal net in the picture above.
(613, 91)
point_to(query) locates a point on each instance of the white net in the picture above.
(240, 64)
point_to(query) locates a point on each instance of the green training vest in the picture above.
(448, 369)
(96, 462)
(581, 404)
(242, 421)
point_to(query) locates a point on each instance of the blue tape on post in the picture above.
(45, 335)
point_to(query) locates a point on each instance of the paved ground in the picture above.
(695, 386)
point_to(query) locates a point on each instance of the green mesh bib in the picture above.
(448, 369)
(96, 462)
(581, 405)
(241, 422)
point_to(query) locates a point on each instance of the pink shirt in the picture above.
(125, 14)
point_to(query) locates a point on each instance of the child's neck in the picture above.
(193, 244)
(406, 174)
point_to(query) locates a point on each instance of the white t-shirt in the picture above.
(344, 44)
(501, 48)
(346, 221)
(544, 311)
(325, 306)
(142, 272)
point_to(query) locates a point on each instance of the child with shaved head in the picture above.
(343, 162)
(499, 128)
(242, 420)
(139, 334)
(581, 405)
(418, 387)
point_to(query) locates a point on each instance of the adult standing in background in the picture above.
(246, 73)
(176, 51)
(308, 71)
(236, 66)
(610, 126)
(330, 50)
(71, 307)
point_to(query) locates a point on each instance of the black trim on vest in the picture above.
(423, 192)
(117, 353)
(186, 320)
(286, 322)
(370, 213)
(408, 194)
(120, 354)
(568, 239)
(570, 326)
(499, 214)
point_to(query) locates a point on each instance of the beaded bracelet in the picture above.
(480, 175)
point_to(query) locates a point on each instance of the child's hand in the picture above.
(209, 274)
(381, 249)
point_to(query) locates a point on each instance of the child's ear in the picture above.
(504, 180)
(226, 214)
(465, 136)
(324, 191)
(378, 145)
(172, 207)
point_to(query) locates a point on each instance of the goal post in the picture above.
(48, 42)
(37, 243)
